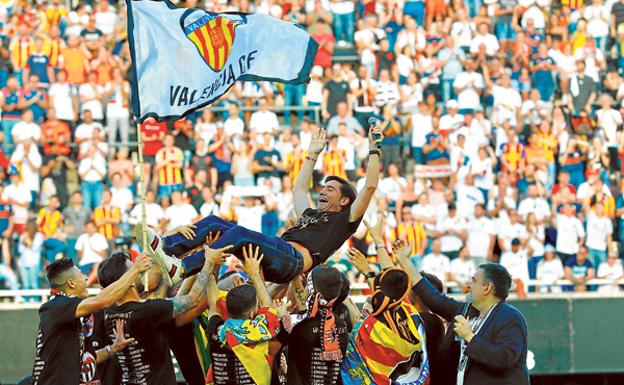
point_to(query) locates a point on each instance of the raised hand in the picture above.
(358, 260)
(210, 239)
(216, 257)
(120, 342)
(402, 250)
(376, 231)
(251, 260)
(318, 142)
(375, 136)
(282, 306)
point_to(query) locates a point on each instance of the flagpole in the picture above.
(143, 240)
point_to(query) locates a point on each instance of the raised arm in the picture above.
(112, 293)
(251, 266)
(302, 185)
(359, 206)
(376, 232)
(185, 302)
(440, 304)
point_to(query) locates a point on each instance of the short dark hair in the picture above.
(327, 280)
(345, 289)
(56, 269)
(346, 189)
(394, 283)
(498, 276)
(435, 281)
(240, 300)
(112, 268)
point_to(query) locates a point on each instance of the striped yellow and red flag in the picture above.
(213, 39)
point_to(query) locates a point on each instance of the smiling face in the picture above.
(331, 198)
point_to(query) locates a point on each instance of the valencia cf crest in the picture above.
(213, 36)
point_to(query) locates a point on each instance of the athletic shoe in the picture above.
(170, 267)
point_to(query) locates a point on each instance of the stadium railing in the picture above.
(42, 295)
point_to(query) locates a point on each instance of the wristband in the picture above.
(311, 158)
(374, 152)
(109, 351)
(370, 275)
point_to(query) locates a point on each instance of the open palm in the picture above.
(318, 142)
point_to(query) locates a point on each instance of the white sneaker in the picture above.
(170, 267)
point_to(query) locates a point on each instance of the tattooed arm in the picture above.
(197, 294)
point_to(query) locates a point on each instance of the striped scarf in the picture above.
(317, 305)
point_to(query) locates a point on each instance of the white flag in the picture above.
(185, 58)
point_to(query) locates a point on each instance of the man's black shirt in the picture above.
(149, 361)
(304, 364)
(60, 343)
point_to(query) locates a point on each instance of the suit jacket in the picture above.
(497, 353)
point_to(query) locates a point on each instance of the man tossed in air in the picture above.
(317, 234)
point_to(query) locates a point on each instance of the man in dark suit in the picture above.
(493, 346)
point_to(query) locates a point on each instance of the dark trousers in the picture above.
(281, 262)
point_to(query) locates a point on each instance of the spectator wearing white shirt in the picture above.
(549, 271)
(437, 263)
(609, 119)
(121, 195)
(534, 204)
(26, 129)
(612, 270)
(92, 170)
(510, 230)
(599, 234)
(421, 126)
(481, 236)
(462, 270)
(249, 215)
(425, 213)
(391, 186)
(28, 160)
(91, 247)
(88, 129)
(468, 197)
(507, 100)
(570, 232)
(452, 232)
(483, 37)
(19, 197)
(452, 120)
(154, 214)
(264, 120)
(91, 95)
(468, 86)
(386, 91)
(516, 261)
(482, 169)
(179, 213)
(234, 125)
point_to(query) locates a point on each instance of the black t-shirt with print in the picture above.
(107, 372)
(304, 347)
(321, 232)
(227, 368)
(60, 343)
(149, 361)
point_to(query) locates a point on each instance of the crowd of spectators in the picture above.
(503, 135)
